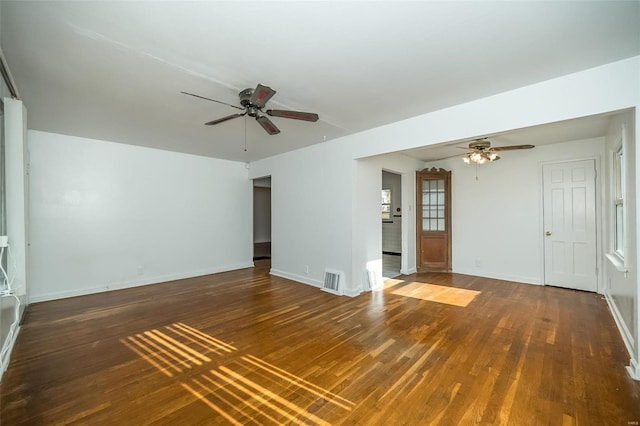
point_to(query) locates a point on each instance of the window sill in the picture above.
(617, 263)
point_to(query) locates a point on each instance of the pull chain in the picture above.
(245, 133)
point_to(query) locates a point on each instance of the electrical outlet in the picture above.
(4, 241)
(306, 269)
(140, 270)
(478, 262)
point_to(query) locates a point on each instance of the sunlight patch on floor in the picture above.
(390, 282)
(242, 389)
(437, 293)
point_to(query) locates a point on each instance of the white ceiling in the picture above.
(563, 131)
(115, 70)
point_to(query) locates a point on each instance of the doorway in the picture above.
(433, 220)
(391, 198)
(569, 215)
(262, 218)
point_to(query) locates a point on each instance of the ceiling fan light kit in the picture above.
(480, 157)
(482, 152)
(253, 101)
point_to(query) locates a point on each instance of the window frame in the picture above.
(618, 211)
(383, 204)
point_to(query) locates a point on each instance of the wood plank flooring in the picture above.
(247, 348)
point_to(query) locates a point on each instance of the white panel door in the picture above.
(570, 225)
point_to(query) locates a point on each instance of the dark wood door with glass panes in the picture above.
(433, 225)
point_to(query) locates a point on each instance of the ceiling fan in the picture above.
(481, 151)
(253, 102)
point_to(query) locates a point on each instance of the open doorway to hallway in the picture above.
(262, 218)
(391, 224)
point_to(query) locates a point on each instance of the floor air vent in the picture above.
(332, 281)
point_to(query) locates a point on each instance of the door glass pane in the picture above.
(433, 205)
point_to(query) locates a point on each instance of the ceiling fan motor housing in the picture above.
(245, 97)
(480, 144)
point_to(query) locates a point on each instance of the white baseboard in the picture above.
(294, 277)
(136, 283)
(409, 271)
(310, 281)
(503, 277)
(627, 337)
(634, 369)
(353, 292)
(7, 355)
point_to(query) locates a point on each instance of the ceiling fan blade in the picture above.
(298, 115)
(267, 125)
(223, 119)
(209, 99)
(512, 147)
(261, 95)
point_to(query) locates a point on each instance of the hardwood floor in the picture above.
(247, 348)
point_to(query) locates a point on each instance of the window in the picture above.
(618, 202)
(386, 204)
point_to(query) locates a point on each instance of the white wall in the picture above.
(317, 194)
(106, 215)
(17, 190)
(496, 220)
(367, 234)
(310, 211)
(621, 278)
(16, 159)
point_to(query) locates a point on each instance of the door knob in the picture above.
(548, 233)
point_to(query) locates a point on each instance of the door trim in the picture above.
(599, 219)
